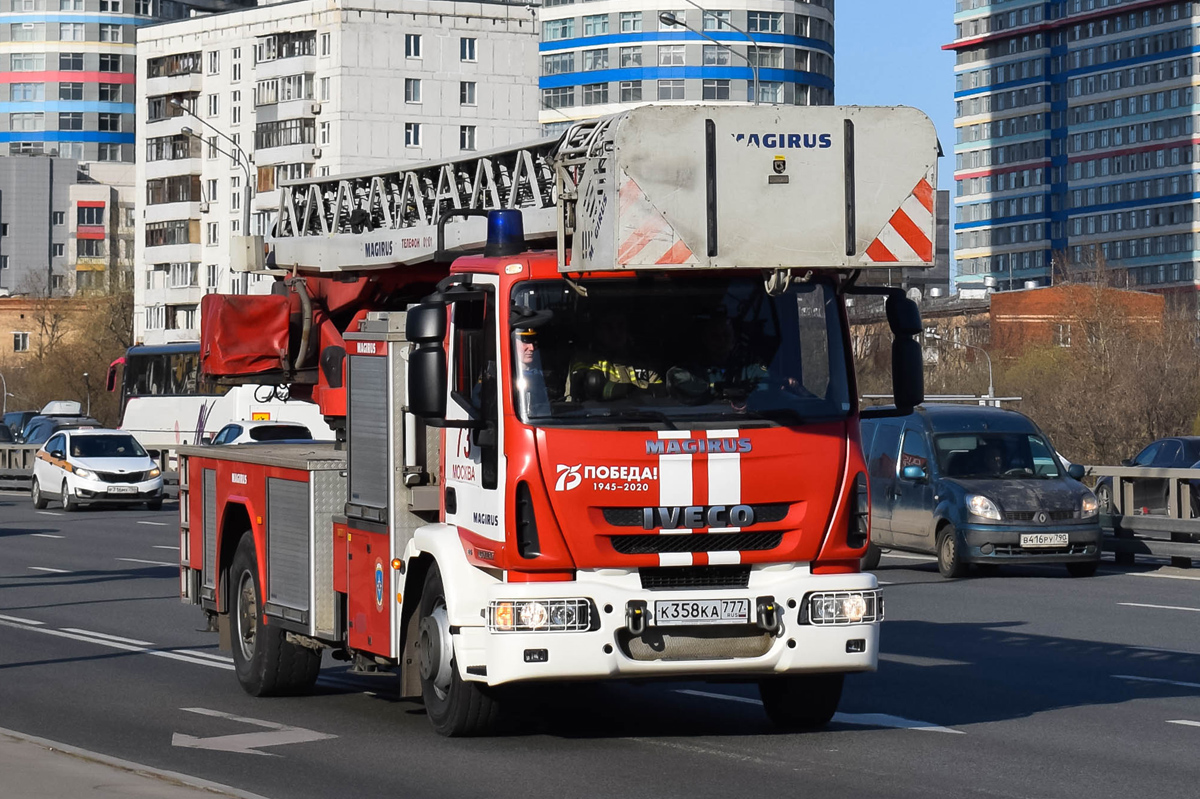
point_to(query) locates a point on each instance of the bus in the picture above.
(166, 402)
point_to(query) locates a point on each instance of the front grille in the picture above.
(664, 579)
(632, 517)
(702, 542)
(1028, 515)
(129, 477)
(1016, 549)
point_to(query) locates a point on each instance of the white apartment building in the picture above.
(304, 88)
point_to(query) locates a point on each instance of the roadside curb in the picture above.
(137, 769)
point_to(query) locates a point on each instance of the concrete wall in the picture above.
(27, 201)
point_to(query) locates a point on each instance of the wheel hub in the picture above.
(247, 615)
(436, 649)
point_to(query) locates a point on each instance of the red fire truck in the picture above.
(608, 429)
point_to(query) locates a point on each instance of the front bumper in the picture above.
(98, 490)
(609, 651)
(1001, 543)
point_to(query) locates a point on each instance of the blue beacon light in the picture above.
(505, 233)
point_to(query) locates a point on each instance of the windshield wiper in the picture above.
(643, 413)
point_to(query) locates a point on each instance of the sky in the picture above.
(889, 52)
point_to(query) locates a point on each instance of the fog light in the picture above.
(854, 607)
(855, 645)
(987, 549)
(534, 615)
(842, 607)
(540, 615)
(563, 615)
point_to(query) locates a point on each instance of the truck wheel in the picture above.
(950, 562)
(870, 561)
(35, 492)
(267, 664)
(454, 706)
(69, 503)
(1082, 569)
(801, 701)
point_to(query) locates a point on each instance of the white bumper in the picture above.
(604, 651)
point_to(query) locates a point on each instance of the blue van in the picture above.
(976, 485)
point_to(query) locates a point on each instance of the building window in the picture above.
(59, 218)
(214, 104)
(561, 97)
(716, 56)
(595, 59)
(670, 90)
(466, 92)
(20, 342)
(466, 137)
(769, 91)
(89, 248)
(184, 276)
(210, 189)
(70, 149)
(3, 230)
(109, 92)
(70, 5)
(211, 276)
(716, 89)
(768, 57)
(60, 250)
(212, 234)
(595, 25)
(25, 92)
(412, 45)
(214, 62)
(555, 29)
(558, 64)
(111, 6)
(27, 32)
(325, 135)
(631, 91)
(235, 193)
(716, 20)
(631, 21)
(156, 317)
(324, 89)
(670, 55)
(326, 44)
(109, 122)
(595, 93)
(631, 57)
(110, 33)
(142, 7)
(235, 108)
(108, 63)
(412, 90)
(89, 215)
(412, 134)
(109, 152)
(70, 31)
(27, 122)
(28, 62)
(466, 49)
(285, 45)
(764, 22)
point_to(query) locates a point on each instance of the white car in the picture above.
(79, 467)
(248, 432)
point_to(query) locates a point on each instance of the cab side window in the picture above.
(915, 452)
(57, 446)
(474, 379)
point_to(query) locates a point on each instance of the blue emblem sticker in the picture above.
(379, 584)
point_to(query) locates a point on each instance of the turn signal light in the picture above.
(502, 615)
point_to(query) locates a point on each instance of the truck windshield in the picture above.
(991, 455)
(667, 349)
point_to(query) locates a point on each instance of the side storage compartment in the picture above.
(370, 599)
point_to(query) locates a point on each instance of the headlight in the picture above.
(845, 607)
(155, 472)
(86, 474)
(540, 615)
(983, 507)
(1090, 506)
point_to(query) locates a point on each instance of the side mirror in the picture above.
(913, 473)
(425, 327)
(1127, 462)
(1076, 472)
(908, 366)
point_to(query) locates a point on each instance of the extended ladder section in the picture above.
(657, 187)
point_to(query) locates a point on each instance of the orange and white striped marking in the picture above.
(908, 235)
(646, 237)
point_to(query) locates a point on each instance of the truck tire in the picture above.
(267, 664)
(69, 503)
(455, 707)
(949, 553)
(870, 561)
(35, 491)
(801, 701)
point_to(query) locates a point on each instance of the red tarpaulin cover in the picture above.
(243, 335)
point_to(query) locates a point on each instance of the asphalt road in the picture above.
(1029, 684)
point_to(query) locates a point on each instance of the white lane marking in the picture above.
(49, 513)
(246, 743)
(907, 556)
(108, 637)
(856, 719)
(1185, 722)
(162, 653)
(208, 655)
(1178, 683)
(148, 562)
(916, 660)
(1160, 576)
(164, 546)
(45, 535)
(19, 620)
(48, 569)
(1157, 607)
(156, 524)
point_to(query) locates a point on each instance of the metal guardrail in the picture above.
(1166, 532)
(16, 465)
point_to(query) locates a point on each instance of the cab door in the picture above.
(881, 469)
(474, 468)
(49, 477)
(912, 498)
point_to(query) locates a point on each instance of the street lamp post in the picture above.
(241, 157)
(4, 391)
(88, 384)
(670, 20)
(991, 390)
